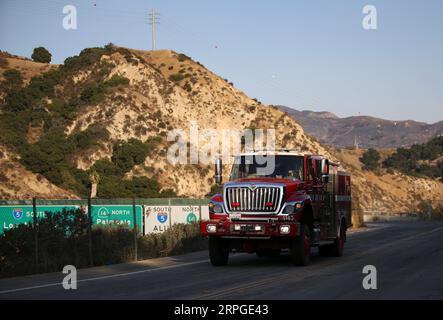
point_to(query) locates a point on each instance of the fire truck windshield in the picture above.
(286, 167)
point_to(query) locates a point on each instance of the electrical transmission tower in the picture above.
(154, 20)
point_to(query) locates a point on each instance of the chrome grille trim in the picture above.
(253, 200)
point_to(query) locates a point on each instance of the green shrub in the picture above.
(117, 80)
(89, 137)
(13, 79)
(127, 154)
(176, 77)
(41, 54)
(92, 94)
(408, 160)
(371, 159)
(106, 168)
(86, 58)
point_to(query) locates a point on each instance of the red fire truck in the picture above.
(303, 202)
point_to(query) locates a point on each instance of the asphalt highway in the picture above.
(408, 257)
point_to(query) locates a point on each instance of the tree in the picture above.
(371, 159)
(40, 54)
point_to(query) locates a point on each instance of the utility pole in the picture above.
(356, 146)
(153, 19)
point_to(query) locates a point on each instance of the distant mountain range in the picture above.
(369, 132)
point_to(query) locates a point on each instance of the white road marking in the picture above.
(127, 273)
(106, 277)
(199, 262)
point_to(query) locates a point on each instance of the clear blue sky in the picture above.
(304, 54)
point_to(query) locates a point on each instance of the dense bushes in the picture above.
(50, 156)
(94, 93)
(129, 153)
(371, 159)
(63, 240)
(86, 58)
(419, 160)
(179, 239)
(12, 80)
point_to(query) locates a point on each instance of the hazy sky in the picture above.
(304, 54)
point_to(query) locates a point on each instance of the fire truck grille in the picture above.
(262, 199)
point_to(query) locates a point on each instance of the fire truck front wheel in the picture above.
(218, 251)
(301, 247)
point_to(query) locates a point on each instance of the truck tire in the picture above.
(301, 247)
(338, 247)
(218, 251)
(335, 249)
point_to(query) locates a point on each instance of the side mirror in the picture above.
(325, 178)
(218, 171)
(325, 170)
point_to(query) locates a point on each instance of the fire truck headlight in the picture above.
(215, 208)
(284, 229)
(292, 208)
(211, 228)
(289, 209)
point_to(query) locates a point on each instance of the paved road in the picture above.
(408, 257)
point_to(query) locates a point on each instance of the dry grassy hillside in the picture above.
(27, 68)
(16, 182)
(386, 192)
(163, 91)
(167, 91)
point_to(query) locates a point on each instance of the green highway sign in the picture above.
(102, 215)
(191, 218)
(11, 216)
(106, 215)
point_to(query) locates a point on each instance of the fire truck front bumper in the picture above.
(243, 229)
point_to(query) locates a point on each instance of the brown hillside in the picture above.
(155, 102)
(167, 91)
